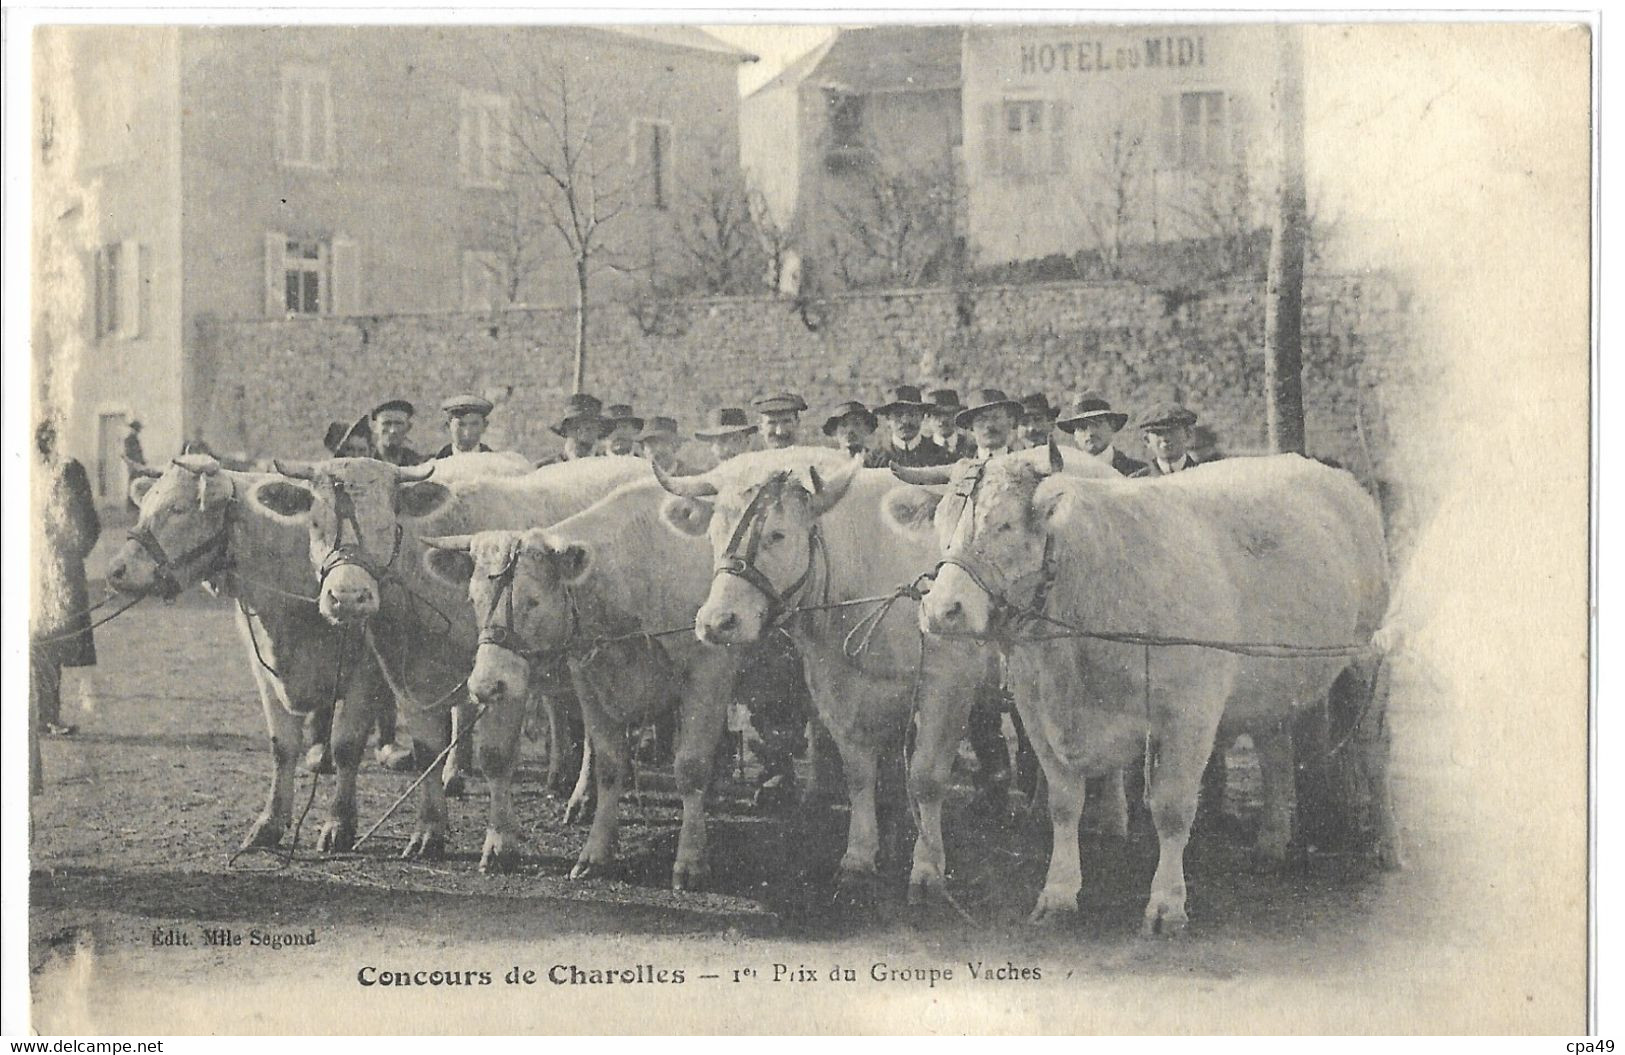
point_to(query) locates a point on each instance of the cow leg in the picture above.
(702, 714)
(286, 733)
(939, 726)
(1106, 810)
(430, 735)
(1275, 767)
(1372, 741)
(351, 724)
(1182, 754)
(579, 805)
(857, 868)
(454, 775)
(1059, 898)
(607, 744)
(500, 727)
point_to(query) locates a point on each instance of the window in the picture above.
(116, 291)
(651, 160)
(1025, 137)
(305, 118)
(845, 121)
(311, 276)
(484, 281)
(1195, 130)
(482, 145)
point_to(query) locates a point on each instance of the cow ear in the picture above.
(283, 498)
(419, 500)
(573, 561)
(454, 567)
(910, 510)
(687, 516)
(140, 486)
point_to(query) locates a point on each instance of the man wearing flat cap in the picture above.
(391, 421)
(582, 426)
(780, 418)
(1167, 431)
(904, 414)
(850, 425)
(621, 429)
(942, 407)
(1092, 423)
(1037, 421)
(728, 432)
(466, 418)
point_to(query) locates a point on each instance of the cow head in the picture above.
(179, 538)
(518, 584)
(354, 519)
(992, 537)
(762, 543)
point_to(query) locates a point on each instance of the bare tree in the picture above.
(567, 154)
(896, 226)
(781, 241)
(517, 228)
(1112, 200)
(716, 236)
(1220, 207)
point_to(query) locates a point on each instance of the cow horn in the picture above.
(1056, 462)
(295, 470)
(814, 481)
(412, 474)
(137, 471)
(684, 486)
(200, 464)
(452, 542)
(923, 476)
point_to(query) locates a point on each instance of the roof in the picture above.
(683, 37)
(892, 59)
(793, 74)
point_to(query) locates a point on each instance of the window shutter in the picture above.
(329, 143)
(276, 296)
(992, 139)
(1236, 117)
(344, 278)
(284, 120)
(1169, 138)
(129, 294)
(98, 265)
(1057, 136)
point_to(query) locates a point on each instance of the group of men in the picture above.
(921, 428)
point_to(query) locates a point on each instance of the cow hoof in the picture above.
(336, 837)
(593, 867)
(503, 861)
(1054, 907)
(689, 875)
(453, 783)
(265, 834)
(1164, 922)
(925, 884)
(856, 887)
(425, 846)
(578, 810)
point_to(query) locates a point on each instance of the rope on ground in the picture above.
(402, 797)
(284, 857)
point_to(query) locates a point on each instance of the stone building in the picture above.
(306, 172)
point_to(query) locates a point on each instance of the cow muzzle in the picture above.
(498, 675)
(955, 605)
(726, 625)
(349, 596)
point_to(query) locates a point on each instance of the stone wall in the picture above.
(280, 381)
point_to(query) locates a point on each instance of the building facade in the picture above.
(250, 171)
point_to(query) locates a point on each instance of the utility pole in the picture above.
(1283, 311)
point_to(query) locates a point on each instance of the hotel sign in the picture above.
(1099, 56)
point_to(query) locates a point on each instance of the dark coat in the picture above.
(406, 456)
(445, 452)
(927, 453)
(1124, 464)
(1150, 468)
(965, 448)
(71, 529)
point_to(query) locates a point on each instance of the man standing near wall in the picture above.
(728, 433)
(850, 425)
(1037, 420)
(621, 428)
(466, 418)
(780, 417)
(391, 422)
(904, 414)
(941, 410)
(659, 444)
(582, 426)
(1092, 423)
(1167, 431)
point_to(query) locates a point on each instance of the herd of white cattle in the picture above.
(473, 582)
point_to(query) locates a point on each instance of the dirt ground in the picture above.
(143, 808)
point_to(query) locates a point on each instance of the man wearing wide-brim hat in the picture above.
(991, 418)
(1092, 423)
(582, 426)
(906, 445)
(466, 418)
(621, 428)
(942, 406)
(349, 441)
(728, 432)
(659, 443)
(780, 418)
(851, 424)
(1167, 431)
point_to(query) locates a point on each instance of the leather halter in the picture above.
(503, 635)
(168, 585)
(747, 536)
(354, 553)
(988, 576)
